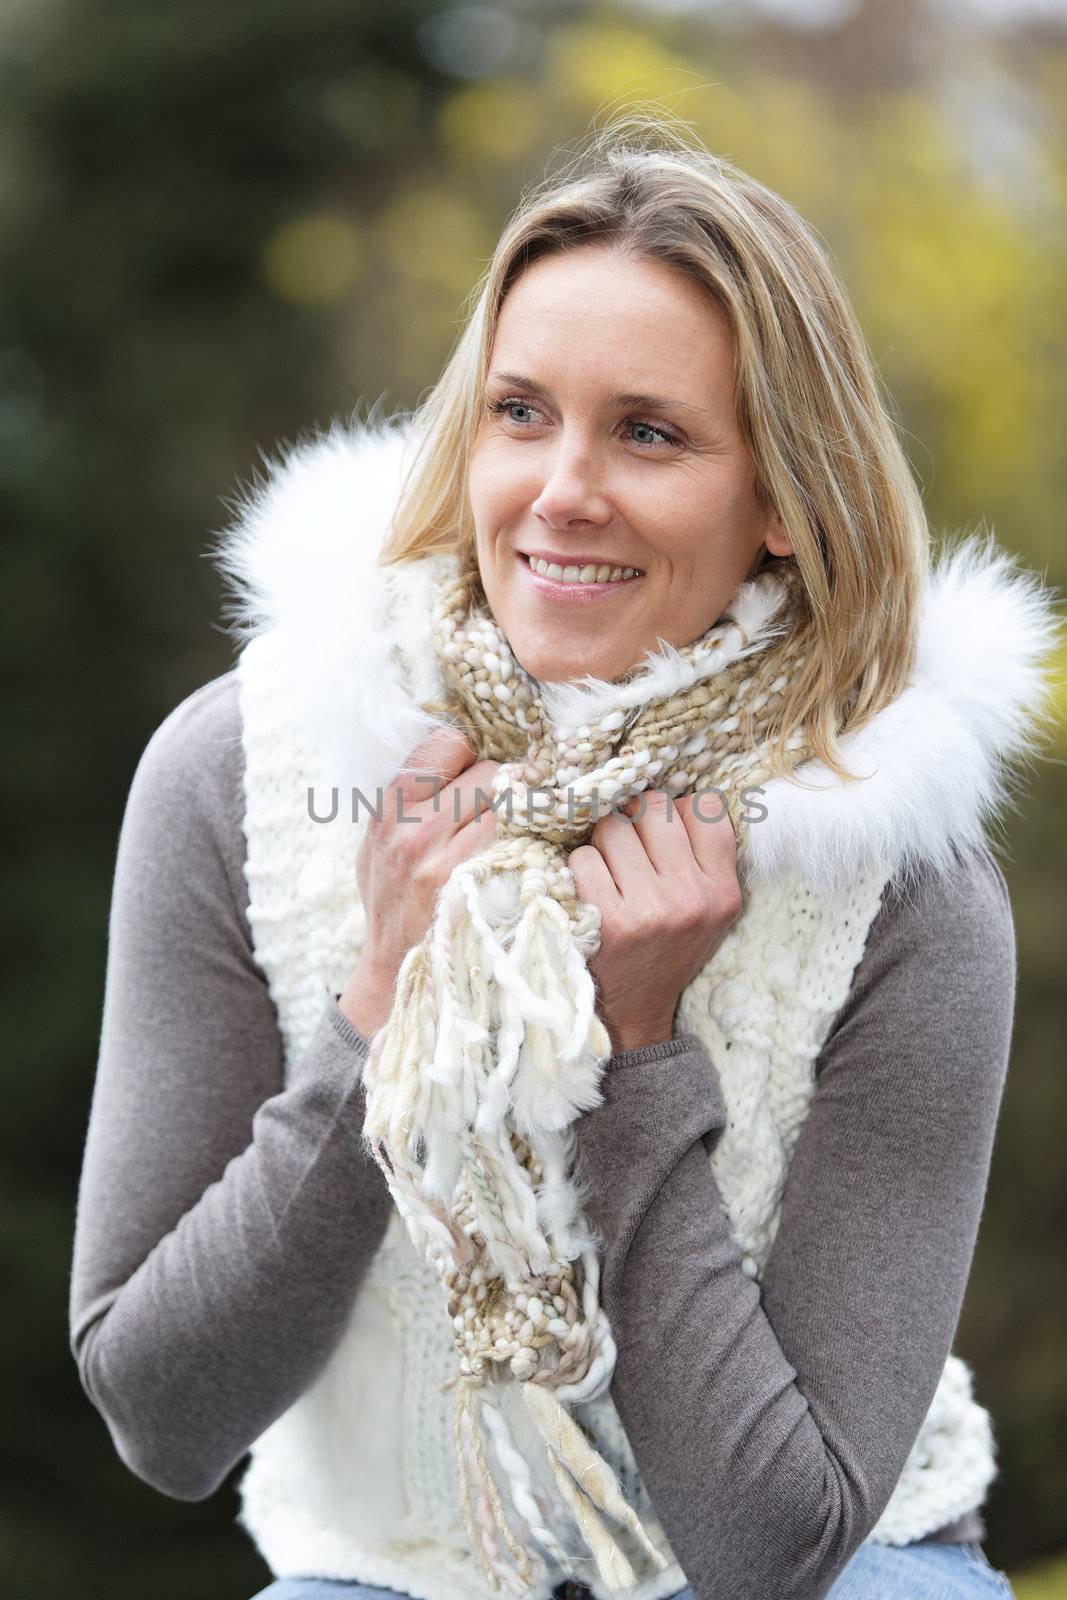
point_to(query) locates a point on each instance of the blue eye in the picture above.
(499, 407)
(671, 438)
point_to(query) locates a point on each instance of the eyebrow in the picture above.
(622, 402)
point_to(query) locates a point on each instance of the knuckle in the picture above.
(402, 840)
(648, 923)
(477, 838)
(423, 871)
(730, 900)
(724, 839)
(694, 909)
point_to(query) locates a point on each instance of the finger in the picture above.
(711, 833)
(624, 853)
(470, 796)
(592, 880)
(472, 838)
(657, 821)
(435, 761)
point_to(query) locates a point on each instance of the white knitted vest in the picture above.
(357, 1480)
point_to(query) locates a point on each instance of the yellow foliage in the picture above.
(779, 131)
(1048, 1581)
(1058, 670)
(434, 238)
(497, 120)
(313, 260)
(595, 63)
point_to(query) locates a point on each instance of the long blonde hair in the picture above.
(807, 400)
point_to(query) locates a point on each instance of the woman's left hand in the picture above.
(665, 883)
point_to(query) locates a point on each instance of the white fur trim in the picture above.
(301, 562)
(301, 557)
(935, 760)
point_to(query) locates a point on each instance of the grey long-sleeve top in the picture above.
(225, 1219)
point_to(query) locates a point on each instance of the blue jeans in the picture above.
(922, 1571)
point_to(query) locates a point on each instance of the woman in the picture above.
(718, 1078)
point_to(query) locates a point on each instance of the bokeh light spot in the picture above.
(313, 260)
(497, 121)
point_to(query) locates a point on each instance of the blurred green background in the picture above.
(224, 224)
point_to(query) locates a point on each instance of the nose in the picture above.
(572, 492)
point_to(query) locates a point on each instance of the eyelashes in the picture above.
(498, 408)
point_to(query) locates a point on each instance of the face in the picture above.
(608, 440)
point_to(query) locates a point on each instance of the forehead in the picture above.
(595, 314)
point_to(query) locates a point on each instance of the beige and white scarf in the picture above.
(494, 1048)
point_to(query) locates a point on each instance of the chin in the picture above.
(550, 667)
(556, 660)
(545, 668)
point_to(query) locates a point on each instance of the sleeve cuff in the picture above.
(346, 1030)
(677, 1046)
(682, 1044)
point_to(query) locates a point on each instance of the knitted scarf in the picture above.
(493, 1046)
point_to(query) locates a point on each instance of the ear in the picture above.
(775, 537)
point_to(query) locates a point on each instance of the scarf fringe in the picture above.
(587, 1487)
(505, 1017)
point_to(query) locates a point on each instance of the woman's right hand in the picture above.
(406, 858)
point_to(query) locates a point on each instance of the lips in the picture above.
(589, 580)
(570, 595)
(575, 559)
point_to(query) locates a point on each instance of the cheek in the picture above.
(476, 489)
(497, 490)
(709, 519)
(680, 524)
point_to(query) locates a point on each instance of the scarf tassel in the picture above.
(493, 1031)
(586, 1484)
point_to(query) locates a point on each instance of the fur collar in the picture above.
(300, 560)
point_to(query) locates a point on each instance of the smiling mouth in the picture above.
(588, 576)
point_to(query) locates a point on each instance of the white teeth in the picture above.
(586, 574)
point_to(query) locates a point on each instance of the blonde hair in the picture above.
(826, 453)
